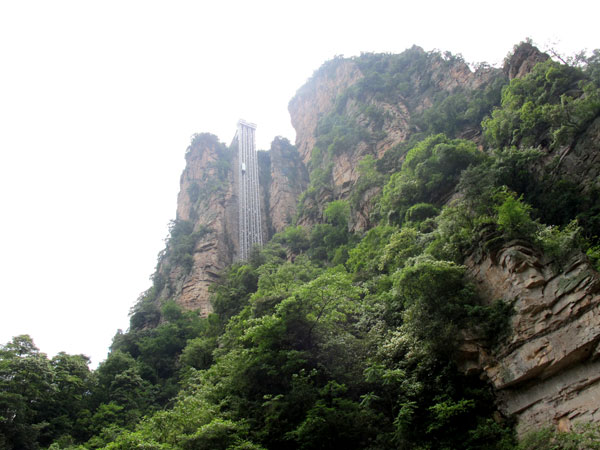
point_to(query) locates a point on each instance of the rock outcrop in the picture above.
(548, 371)
(381, 121)
(208, 204)
(288, 178)
(317, 98)
(522, 60)
(579, 162)
(208, 201)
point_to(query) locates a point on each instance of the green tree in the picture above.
(73, 383)
(26, 394)
(429, 174)
(434, 302)
(514, 218)
(548, 107)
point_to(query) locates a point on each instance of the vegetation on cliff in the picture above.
(329, 338)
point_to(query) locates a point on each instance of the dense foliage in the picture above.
(326, 338)
(550, 106)
(362, 114)
(42, 399)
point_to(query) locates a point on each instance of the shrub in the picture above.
(514, 218)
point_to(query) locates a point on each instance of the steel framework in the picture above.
(250, 232)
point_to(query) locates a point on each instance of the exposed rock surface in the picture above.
(523, 59)
(316, 98)
(207, 198)
(384, 120)
(580, 161)
(288, 179)
(208, 201)
(547, 372)
(549, 369)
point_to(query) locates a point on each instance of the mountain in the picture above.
(429, 277)
(373, 106)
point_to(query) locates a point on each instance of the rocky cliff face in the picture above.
(579, 162)
(317, 98)
(207, 204)
(288, 178)
(523, 59)
(548, 371)
(377, 105)
(207, 200)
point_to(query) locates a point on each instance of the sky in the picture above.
(99, 100)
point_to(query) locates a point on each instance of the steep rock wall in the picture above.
(384, 119)
(547, 372)
(579, 162)
(522, 60)
(288, 179)
(316, 98)
(208, 200)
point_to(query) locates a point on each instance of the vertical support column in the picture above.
(250, 232)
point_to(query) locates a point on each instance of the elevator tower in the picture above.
(250, 232)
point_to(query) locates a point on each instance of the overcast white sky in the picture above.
(98, 100)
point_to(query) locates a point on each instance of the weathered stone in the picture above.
(317, 98)
(579, 162)
(549, 358)
(288, 179)
(523, 59)
(208, 199)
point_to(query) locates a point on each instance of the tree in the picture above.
(429, 174)
(26, 393)
(548, 107)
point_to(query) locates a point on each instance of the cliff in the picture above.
(317, 98)
(378, 107)
(207, 212)
(207, 201)
(287, 179)
(547, 371)
(367, 106)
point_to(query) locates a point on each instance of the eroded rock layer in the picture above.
(547, 372)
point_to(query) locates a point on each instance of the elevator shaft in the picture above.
(250, 232)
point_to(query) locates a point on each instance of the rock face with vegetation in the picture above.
(287, 179)
(429, 278)
(203, 239)
(364, 107)
(316, 98)
(546, 372)
(523, 60)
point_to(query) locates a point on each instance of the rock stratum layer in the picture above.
(548, 372)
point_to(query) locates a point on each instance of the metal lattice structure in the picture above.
(250, 232)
